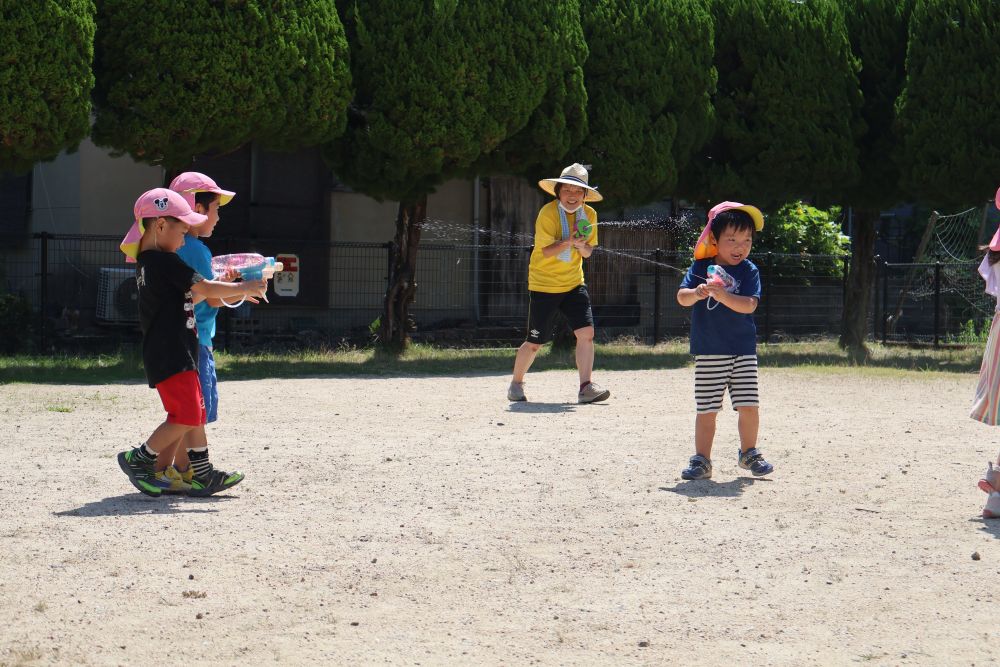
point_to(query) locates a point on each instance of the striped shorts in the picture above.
(713, 373)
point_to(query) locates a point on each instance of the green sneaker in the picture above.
(139, 472)
(215, 481)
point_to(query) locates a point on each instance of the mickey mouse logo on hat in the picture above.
(161, 203)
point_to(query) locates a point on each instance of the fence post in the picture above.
(875, 296)
(768, 297)
(43, 286)
(885, 299)
(846, 259)
(658, 255)
(937, 303)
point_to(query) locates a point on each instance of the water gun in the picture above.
(718, 275)
(250, 265)
(583, 228)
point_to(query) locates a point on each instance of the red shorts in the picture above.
(182, 399)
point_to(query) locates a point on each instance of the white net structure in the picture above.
(942, 293)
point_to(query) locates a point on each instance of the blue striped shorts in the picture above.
(714, 373)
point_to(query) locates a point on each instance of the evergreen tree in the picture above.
(878, 32)
(949, 120)
(444, 88)
(786, 106)
(649, 81)
(45, 83)
(175, 79)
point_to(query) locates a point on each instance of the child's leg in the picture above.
(704, 433)
(165, 438)
(749, 423)
(195, 439)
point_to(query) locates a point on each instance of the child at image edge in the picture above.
(168, 289)
(192, 472)
(986, 406)
(723, 334)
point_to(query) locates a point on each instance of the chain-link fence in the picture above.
(83, 295)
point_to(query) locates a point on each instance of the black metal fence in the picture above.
(938, 303)
(83, 295)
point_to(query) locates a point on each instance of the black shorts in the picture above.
(542, 308)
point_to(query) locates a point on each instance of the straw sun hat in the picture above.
(575, 174)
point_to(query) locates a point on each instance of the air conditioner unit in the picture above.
(117, 296)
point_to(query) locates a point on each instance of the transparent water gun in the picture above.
(718, 275)
(250, 265)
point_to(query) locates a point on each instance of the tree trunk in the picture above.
(857, 302)
(395, 325)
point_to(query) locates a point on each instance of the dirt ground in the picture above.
(424, 520)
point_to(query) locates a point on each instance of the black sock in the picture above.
(199, 461)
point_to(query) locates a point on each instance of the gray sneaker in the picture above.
(593, 392)
(515, 392)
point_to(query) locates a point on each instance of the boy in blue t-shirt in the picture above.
(193, 473)
(723, 334)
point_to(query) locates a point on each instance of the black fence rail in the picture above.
(938, 303)
(82, 295)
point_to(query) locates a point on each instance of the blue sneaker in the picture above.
(698, 468)
(753, 461)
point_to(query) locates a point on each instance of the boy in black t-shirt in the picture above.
(168, 290)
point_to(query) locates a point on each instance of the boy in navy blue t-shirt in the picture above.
(723, 333)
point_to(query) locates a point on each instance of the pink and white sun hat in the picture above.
(995, 241)
(191, 182)
(156, 203)
(706, 247)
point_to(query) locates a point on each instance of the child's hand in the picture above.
(254, 288)
(578, 242)
(715, 290)
(701, 291)
(231, 276)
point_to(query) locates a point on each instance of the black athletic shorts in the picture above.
(542, 308)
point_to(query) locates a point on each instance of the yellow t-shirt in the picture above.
(551, 274)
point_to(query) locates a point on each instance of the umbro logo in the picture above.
(535, 332)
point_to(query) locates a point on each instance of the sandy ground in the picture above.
(413, 520)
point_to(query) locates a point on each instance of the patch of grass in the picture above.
(820, 356)
(58, 408)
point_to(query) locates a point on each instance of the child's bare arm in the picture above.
(689, 296)
(741, 304)
(213, 289)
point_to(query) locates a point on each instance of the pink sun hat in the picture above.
(191, 182)
(156, 203)
(995, 241)
(706, 247)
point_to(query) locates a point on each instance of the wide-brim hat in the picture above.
(191, 182)
(575, 174)
(995, 241)
(706, 246)
(157, 203)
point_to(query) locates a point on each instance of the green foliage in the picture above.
(787, 104)
(442, 85)
(948, 116)
(175, 79)
(970, 335)
(797, 228)
(878, 32)
(15, 324)
(45, 79)
(649, 80)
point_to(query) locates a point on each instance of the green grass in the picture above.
(823, 356)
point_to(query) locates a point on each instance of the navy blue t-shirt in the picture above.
(719, 329)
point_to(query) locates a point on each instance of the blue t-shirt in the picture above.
(719, 329)
(196, 254)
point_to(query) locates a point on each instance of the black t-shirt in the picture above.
(166, 314)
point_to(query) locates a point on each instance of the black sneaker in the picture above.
(213, 482)
(140, 472)
(753, 461)
(698, 468)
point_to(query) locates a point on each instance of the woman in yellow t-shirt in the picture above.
(565, 235)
